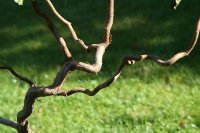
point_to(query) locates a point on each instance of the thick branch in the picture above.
(65, 70)
(53, 29)
(28, 81)
(69, 66)
(32, 94)
(54, 89)
(96, 67)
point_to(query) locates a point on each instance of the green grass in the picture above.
(146, 98)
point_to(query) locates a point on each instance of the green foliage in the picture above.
(20, 2)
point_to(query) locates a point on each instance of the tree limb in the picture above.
(128, 60)
(68, 24)
(32, 94)
(107, 34)
(53, 29)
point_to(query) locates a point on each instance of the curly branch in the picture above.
(176, 57)
(32, 94)
(128, 60)
(100, 48)
(99, 87)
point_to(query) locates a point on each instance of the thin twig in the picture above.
(68, 24)
(53, 29)
(13, 72)
(107, 29)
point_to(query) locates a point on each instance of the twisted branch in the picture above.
(32, 94)
(128, 60)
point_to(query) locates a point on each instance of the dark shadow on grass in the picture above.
(140, 27)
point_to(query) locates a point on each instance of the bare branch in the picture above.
(28, 81)
(107, 33)
(8, 123)
(176, 57)
(32, 94)
(64, 71)
(54, 89)
(71, 65)
(100, 48)
(99, 87)
(53, 28)
(68, 24)
(96, 67)
(128, 60)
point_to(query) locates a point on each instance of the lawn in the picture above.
(146, 98)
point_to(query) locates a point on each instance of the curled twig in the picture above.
(28, 81)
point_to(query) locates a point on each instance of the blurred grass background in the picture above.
(146, 98)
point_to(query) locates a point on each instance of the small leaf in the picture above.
(175, 4)
(20, 2)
